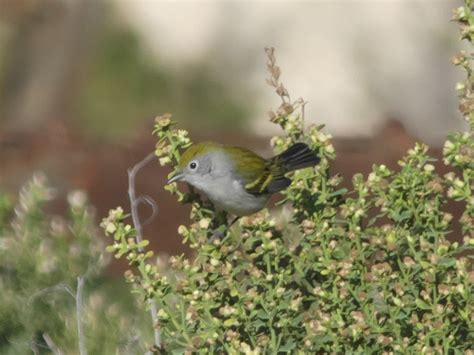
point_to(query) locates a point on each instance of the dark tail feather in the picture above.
(298, 156)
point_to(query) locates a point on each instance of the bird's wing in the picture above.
(259, 176)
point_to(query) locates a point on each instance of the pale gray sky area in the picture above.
(357, 63)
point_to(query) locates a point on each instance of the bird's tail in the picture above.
(298, 156)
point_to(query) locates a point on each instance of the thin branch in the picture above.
(80, 330)
(59, 287)
(130, 344)
(303, 106)
(150, 202)
(54, 348)
(34, 348)
(134, 203)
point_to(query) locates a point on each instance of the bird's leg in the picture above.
(233, 221)
(220, 232)
(218, 226)
(221, 217)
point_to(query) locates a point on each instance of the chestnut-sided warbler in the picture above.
(236, 179)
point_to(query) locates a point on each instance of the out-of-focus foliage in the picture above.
(41, 256)
(124, 86)
(365, 270)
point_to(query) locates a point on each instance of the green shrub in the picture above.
(41, 258)
(367, 270)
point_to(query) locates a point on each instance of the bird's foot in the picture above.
(218, 233)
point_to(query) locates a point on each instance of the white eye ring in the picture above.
(193, 165)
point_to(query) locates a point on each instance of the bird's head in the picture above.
(196, 163)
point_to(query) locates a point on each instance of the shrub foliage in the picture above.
(368, 269)
(41, 257)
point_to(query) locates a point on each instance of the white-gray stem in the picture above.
(54, 348)
(80, 330)
(134, 202)
(34, 348)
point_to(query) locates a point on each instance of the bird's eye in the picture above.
(193, 165)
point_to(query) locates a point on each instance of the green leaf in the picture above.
(422, 304)
(230, 322)
(287, 347)
(143, 243)
(342, 191)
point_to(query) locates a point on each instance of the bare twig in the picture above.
(134, 203)
(78, 298)
(303, 105)
(34, 348)
(80, 330)
(148, 200)
(59, 287)
(54, 348)
(130, 344)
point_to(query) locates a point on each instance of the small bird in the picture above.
(236, 179)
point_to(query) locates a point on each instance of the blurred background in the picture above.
(81, 81)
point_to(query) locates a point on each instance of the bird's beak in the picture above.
(177, 176)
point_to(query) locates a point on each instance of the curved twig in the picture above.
(134, 202)
(150, 202)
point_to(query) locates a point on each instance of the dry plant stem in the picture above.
(131, 344)
(303, 104)
(34, 349)
(80, 330)
(54, 348)
(134, 202)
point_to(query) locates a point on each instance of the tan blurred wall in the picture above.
(358, 63)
